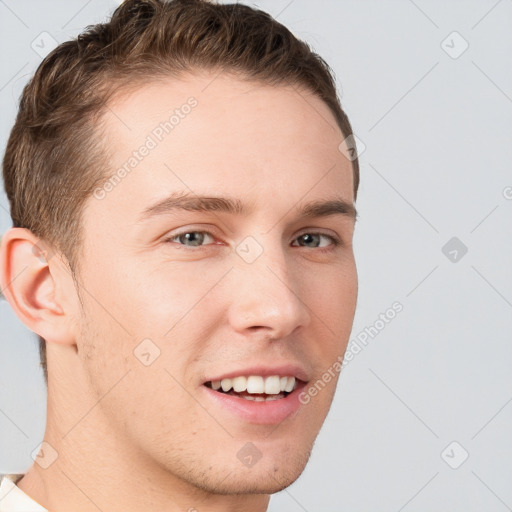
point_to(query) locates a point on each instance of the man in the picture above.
(182, 188)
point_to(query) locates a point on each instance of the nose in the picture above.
(268, 295)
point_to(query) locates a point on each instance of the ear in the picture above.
(27, 283)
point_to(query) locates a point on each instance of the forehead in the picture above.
(216, 93)
(207, 132)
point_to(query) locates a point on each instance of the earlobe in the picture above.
(29, 286)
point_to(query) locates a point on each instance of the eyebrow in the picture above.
(186, 201)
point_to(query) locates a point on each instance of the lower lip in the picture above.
(260, 413)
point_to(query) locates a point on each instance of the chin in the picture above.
(262, 478)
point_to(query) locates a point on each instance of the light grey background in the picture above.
(434, 130)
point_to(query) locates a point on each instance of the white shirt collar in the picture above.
(13, 499)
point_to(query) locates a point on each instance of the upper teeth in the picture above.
(256, 384)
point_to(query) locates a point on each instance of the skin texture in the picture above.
(134, 437)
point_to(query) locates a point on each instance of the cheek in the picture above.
(142, 299)
(334, 304)
(333, 299)
(168, 291)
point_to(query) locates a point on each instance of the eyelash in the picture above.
(335, 241)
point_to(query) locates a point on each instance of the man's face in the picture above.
(258, 294)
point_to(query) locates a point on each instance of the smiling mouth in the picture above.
(256, 388)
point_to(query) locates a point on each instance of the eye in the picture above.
(190, 236)
(315, 239)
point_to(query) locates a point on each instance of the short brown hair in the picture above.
(54, 159)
